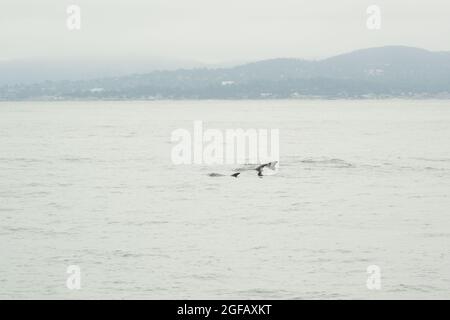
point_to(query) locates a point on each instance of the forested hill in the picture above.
(383, 72)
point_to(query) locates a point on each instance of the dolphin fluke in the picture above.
(270, 165)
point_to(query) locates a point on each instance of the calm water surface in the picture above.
(92, 184)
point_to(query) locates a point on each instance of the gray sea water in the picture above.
(92, 184)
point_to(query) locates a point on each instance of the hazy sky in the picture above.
(215, 31)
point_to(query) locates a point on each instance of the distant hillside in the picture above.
(384, 72)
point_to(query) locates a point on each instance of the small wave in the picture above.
(138, 223)
(432, 160)
(416, 168)
(26, 160)
(127, 254)
(437, 235)
(408, 288)
(435, 169)
(32, 230)
(70, 159)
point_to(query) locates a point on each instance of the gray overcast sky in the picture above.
(215, 31)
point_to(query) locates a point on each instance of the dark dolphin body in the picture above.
(234, 175)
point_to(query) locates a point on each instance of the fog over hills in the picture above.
(393, 71)
(28, 71)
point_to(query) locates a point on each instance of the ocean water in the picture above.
(92, 184)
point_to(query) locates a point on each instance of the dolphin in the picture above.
(270, 165)
(260, 168)
(234, 175)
